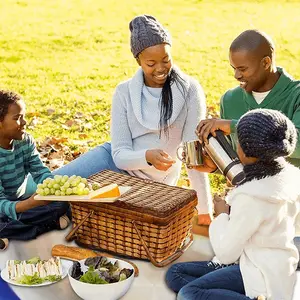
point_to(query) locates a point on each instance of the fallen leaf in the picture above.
(55, 155)
(69, 123)
(78, 143)
(77, 121)
(33, 114)
(78, 115)
(82, 135)
(50, 111)
(88, 125)
(55, 163)
(55, 152)
(34, 121)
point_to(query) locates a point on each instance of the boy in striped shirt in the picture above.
(22, 217)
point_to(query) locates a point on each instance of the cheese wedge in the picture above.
(108, 191)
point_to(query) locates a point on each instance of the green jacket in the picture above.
(284, 96)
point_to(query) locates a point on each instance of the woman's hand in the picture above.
(159, 159)
(220, 206)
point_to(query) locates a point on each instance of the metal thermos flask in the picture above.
(226, 159)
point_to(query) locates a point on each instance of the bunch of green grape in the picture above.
(63, 186)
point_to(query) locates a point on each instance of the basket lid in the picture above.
(145, 195)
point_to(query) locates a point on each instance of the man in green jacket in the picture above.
(262, 85)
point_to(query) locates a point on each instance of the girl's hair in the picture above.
(166, 100)
(7, 98)
(266, 134)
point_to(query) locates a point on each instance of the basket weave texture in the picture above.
(159, 214)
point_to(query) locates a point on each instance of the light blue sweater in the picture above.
(135, 129)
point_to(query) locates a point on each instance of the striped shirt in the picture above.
(15, 165)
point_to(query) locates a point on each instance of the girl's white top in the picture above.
(135, 129)
(259, 232)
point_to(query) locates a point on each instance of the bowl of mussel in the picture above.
(101, 277)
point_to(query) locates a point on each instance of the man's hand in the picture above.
(220, 206)
(205, 127)
(208, 164)
(29, 203)
(159, 159)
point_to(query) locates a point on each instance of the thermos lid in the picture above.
(238, 179)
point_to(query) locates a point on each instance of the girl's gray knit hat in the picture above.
(266, 134)
(146, 31)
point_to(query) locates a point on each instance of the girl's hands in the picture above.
(220, 206)
(159, 159)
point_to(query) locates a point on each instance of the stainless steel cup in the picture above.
(193, 153)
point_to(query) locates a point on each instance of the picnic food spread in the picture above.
(111, 190)
(76, 253)
(72, 253)
(100, 271)
(34, 270)
(65, 186)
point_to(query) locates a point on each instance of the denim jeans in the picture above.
(206, 280)
(33, 222)
(94, 161)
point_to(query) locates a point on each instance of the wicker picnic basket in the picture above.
(150, 221)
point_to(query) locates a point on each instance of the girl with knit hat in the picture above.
(254, 250)
(152, 114)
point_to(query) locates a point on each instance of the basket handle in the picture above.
(71, 234)
(168, 260)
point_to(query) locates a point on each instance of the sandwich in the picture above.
(45, 270)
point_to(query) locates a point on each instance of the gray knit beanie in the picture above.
(146, 31)
(266, 134)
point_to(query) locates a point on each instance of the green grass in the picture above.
(69, 55)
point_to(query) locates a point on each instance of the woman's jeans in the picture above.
(91, 162)
(206, 280)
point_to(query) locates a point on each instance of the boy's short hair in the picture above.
(7, 98)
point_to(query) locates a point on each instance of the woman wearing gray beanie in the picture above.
(255, 256)
(152, 114)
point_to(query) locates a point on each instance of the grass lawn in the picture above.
(66, 56)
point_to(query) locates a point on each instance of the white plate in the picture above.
(85, 198)
(65, 267)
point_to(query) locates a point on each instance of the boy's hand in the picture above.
(159, 159)
(30, 203)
